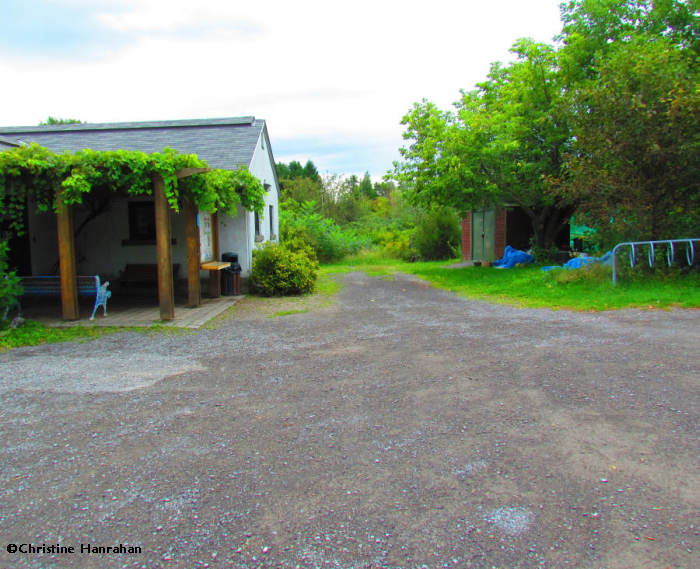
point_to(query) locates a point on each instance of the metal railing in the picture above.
(653, 246)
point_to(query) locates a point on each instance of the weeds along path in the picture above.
(397, 426)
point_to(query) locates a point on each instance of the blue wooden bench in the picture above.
(51, 286)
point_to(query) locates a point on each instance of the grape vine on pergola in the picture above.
(56, 182)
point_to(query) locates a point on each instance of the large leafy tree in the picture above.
(595, 26)
(503, 144)
(635, 166)
(632, 96)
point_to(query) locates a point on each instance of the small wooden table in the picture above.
(214, 281)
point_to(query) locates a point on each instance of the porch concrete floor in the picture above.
(129, 311)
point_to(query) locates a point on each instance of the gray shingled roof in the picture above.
(7, 143)
(224, 143)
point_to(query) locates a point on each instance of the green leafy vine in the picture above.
(36, 174)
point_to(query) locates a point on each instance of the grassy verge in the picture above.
(32, 333)
(529, 286)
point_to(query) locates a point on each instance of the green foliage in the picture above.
(544, 255)
(595, 273)
(366, 188)
(54, 120)
(280, 271)
(37, 173)
(501, 145)
(302, 190)
(302, 223)
(634, 167)
(604, 125)
(10, 288)
(294, 171)
(225, 190)
(437, 234)
(594, 27)
(29, 171)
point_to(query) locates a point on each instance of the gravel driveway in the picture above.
(398, 427)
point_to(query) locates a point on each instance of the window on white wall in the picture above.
(272, 224)
(142, 222)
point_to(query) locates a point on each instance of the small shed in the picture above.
(485, 233)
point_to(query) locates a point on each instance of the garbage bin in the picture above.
(231, 276)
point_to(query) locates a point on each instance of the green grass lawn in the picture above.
(33, 333)
(529, 286)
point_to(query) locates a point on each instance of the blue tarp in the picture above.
(578, 262)
(512, 257)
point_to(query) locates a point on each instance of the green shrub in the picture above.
(280, 271)
(544, 255)
(593, 273)
(302, 223)
(10, 288)
(396, 243)
(437, 235)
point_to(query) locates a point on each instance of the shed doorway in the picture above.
(483, 232)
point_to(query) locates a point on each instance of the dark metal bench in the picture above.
(51, 286)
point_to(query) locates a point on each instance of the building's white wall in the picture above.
(237, 234)
(99, 248)
(262, 168)
(233, 238)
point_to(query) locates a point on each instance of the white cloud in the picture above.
(310, 68)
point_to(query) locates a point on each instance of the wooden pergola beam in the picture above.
(164, 253)
(194, 293)
(166, 287)
(186, 172)
(66, 259)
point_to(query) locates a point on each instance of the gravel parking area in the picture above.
(398, 427)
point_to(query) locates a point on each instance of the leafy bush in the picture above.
(302, 223)
(437, 235)
(280, 271)
(10, 288)
(593, 273)
(544, 255)
(396, 243)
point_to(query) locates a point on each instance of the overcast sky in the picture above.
(331, 78)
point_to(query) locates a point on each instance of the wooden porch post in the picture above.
(215, 276)
(166, 289)
(194, 293)
(66, 259)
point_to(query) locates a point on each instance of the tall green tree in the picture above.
(311, 172)
(634, 168)
(366, 187)
(630, 69)
(502, 146)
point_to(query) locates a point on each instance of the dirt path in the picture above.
(401, 426)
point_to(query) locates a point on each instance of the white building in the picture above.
(123, 234)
